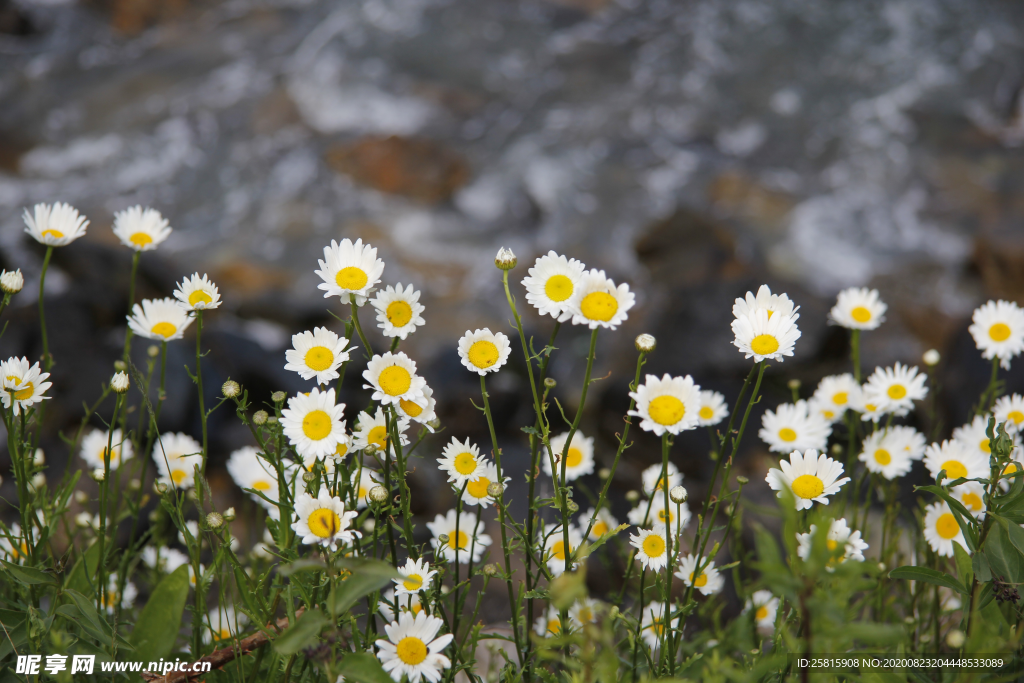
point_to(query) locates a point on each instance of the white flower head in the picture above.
(250, 471)
(314, 423)
(372, 430)
(548, 624)
(23, 385)
(317, 354)
(13, 546)
(793, 427)
(350, 271)
(651, 548)
(416, 575)
(760, 336)
(476, 490)
(197, 293)
(404, 602)
(764, 606)
(141, 229)
(11, 281)
(94, 449)
(712, 408)
(467, 541)
(810, 478)
(579, 460)
(399, 311)
(653, 481)
(670, 404)
(462, 462)
(583, 611)
(834, 395)
(420, 411)
(176, 456)
(708, 582)
(654, 513)
(653, 621)
(1009, 410)
(159, 319)
(941, 529)
(998, 331)
(598, 302)
(765, 301)
(225, 624)
(603, 523)
(323, 520)
(364, 479)
(555, 551)
(483, 351)
(119, 382)
(840, 536)
(163, 559)
(112, 598)
(858, 309)
(891, 452)
(956, 460)
(551, 283)
(895, 389)
(973, 436)
(393, 378)
(972, 495)
(55, 225)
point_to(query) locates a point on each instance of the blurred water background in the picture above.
(694, 149)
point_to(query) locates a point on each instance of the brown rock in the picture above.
(743, 197)
(249, 280)
(419, 169)
(273, 112)
(134, 16)
(999, 257)
(688, 248)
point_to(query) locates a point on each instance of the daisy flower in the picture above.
(112, 598)
(176, 456)
(554, 547)
(548, 624)
(250, 471)
(941, 529)
(374, 431)
(399, 311)
(974, 437)
(652, 623)
(317, 354)
(23, 385)
(583, 611)
(423, 411)
(886, 452)
(711, 408)
(653, 481)
(141, 229)
(225, 624)
(13, 547)
(959, 462)
(651, 548)
(483, 351)
(670, 404)
(1009, 410)
(809, 476)
(159, 319)
(393, 378)
(323, 520)
(597, 302)
(364, 479)
(416, 575)
(551, 282)
(764, 606)
(760, 336)
(468, 541)
(94, 449)
(405, 603)
(603, 523)
(998, 331)
(165, 560)
(858, 309)
(764, 301)
(895, 389)
(413, 648)
(710, 580)
(835, 394)
(55, 226)
(197, 293)
(313, 423)
(793, 427)
(840, 535)
(578, 461)
(654, 513)
(349, 271)
(462, 462)
(972, 495)
(476, 490)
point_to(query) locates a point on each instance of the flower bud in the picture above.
(120, 365)
(119, 382)
(278, 396)
(214, 520)
(491, 570)
(378, 494)
(443, 539)
(881, 566)
(793, 384)
(645, 343)
(39, 458)
(83, 520)
(572, 507)
(550, 382)
(135, 485)
(369, 524)
(742, 481)
(926, 638)
(230, 389)
(12, 281)
(434, 424)
(81, 497)
(259, 417)
(192, 495)
(604, 473)
(837, 449)
(272, 420)
(678, 495)
(229, 515)
(98, 474)
(159, 488)
(505, 259)
(931, 357)
(955, 639)
(632, 496)
(153, 351)
(494, 489)
(309, 477)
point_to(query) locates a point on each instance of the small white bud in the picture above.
(632, 496)
(214, 520)
(378, 494)
(678, 495)
(119, 382)
(931, 357)
(494, 489)
(260, 417)
(38, 480)
(572, 507)
(550, 382)
(278, 396)
(743, 481)
(505, 259)
(81, 497)
(645, 343)
(229, 515)
(443, 539)
(120, 365)
(604, 473)
(793, 384)
(159, 487)
(369, 524)
(230, 389)
(39, 458)
(434, 424)
(12, 281)
(98, 474)
(83, 520)
(309, 477)
(955, 639)
(491, 570)
(153, 351)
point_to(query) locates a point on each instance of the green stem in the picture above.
(47, 361)
(199, 382)
(101, 564)
(565, 451)
(855, 353)
(131, 302)
(368, 350)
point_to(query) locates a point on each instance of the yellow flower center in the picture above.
(946, 526)
(860, 314)
(897, 391)
(415, 608)
(56, 234)
(461, 542)
(319, 358)
(483, 354)
(706, 413)
(870, 407)
(558, 550)
(701, 581)
(394, 380)
(787, 434)
(413, 582)
(554, 626)
(828, 414)
(761, 614)
(1010, 469)
(341, 450)
(140, 239)
(261, 485)
(599, 306)
(840, 398)
(954, 469)
(984, 445)
(478, 488)
(351, 278)
(178, 476)
(999, 332)
(378, 436)
(972, 501)
(411, 650)
(25, 393)
(224, 634)
(600, 528)
(808, 486)
(410, 408)
(1015, 415)
(324, 522)
(831, 544)
(654, 546)
(666, 410)
(164, 329)
(199, 297)
(558, 288)
(882, 457)
(399, 313)
(764, 344)
(574, 457)
(664, 516)
(656, 626)
(585, 614)
(465, 463)
(316, 425)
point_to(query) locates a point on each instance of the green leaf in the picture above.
(80, 578)
(981, 568)
(927, 575)
(1002, 556)
(302, 634)
(567, 589)
(29, 575)
(1015, 533)
(963, 564)
(300, 566)
(158, 624)
(960, 513)
(367, 576)
(587, 549)
(607, 667)
(362, 667)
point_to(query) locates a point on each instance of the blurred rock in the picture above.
(134, 16)
(735, 194)
(13, 20)
(999, 257)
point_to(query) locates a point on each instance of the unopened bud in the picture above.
(192, 495)
(881, 566)
(955, 639)
(678, 495)
(214, 520)
(39, 458)
(604, 473)
(931, 357)
(278, 396)
(443, 539)
(230, 389)
(434, 424)
(272, 420)
(369, 524)
(793, 384)
(742, 481)
(119, 382)
(83, 520)
(645, 343)
(159, 488)
(378, 494)
(572, 507)
(229, 515)
(153, 351)
(260, 417)
(12, 281)
(837, 449)
(909, 620)
(98, 474)
(491, 570)
(505, 259)
(494, 489)
(632, 496)
(81, 497)
(550, 382)
(309, 477)
(926, 638)
(135, 485)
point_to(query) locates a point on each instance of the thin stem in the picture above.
(565, 450)
(199, 382)
(131, 302)
(359, 331)
(101, 564)
(855, 353)
(47, 360)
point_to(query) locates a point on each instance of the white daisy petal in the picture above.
(998, 331)
(159, 319)
(598, 302)
(670, 404)
(483, 351)
(550, 286)
(55, 225)
(858, 309)
(399, 311)
(141, 229)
